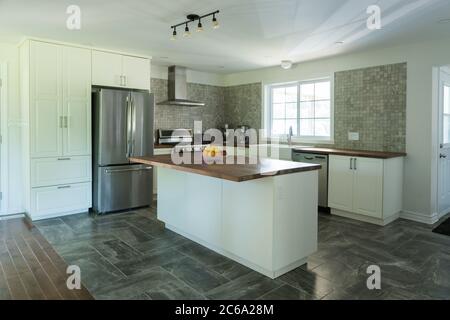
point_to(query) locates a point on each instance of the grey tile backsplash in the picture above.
(370, 101)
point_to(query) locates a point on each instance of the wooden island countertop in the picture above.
(233, 172)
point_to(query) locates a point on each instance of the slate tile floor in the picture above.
(131, 256)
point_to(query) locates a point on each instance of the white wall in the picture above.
(13, 200)
(214, 79)
(420, 165)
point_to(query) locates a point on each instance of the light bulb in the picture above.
(174, 35)
(200, 26)
(215, 22)
(187, 33)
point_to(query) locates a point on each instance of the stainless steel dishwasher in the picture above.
(301, 156)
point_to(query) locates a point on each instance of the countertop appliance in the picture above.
(175, 136)
(122, 128)
(300, 156)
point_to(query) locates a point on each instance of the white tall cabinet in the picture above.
(56, 107)
(367, 189)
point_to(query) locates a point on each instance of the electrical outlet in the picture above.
(353, 136)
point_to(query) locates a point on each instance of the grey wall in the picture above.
(371, 101)
(175, 117)
(243, 105)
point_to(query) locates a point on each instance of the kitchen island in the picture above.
(262, 215)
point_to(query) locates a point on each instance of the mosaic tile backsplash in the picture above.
(176, 117)
(370, 101)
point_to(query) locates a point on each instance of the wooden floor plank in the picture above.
(17, 289)
(57, 279)
(39, 273)
(4, 289)
(29, 281)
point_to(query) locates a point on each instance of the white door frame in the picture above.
(4, 134)
(439, 105)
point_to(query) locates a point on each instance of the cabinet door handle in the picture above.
(66, 122)
(64, 159)
(354, 164)
(125, 80)
(351, 163)
(61, 122)
(64, 187)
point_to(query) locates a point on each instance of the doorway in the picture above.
(444, 141)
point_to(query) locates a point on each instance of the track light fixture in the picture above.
(192, 18)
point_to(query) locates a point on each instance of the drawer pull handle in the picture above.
(64, 187)
(64, 159)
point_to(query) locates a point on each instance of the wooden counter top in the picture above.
(353, 153)
(232, 172)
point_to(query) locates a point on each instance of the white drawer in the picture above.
(55, 201)
(56, 171)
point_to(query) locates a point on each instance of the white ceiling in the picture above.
(252, 34)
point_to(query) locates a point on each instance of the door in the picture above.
(340, 183)
(111, 127)
(123, 187)
(368, 187)
(106, 69)
(444, 141)
(142, 106)
(136, 72)
(77, 101)
(46, 114)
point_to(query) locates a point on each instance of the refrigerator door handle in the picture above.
(133, 125)
(129, 124)
(110, 171)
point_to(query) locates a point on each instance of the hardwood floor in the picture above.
(30, 268)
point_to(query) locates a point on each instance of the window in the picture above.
(306, 107)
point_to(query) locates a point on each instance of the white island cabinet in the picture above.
(262, 215)
(367, 189)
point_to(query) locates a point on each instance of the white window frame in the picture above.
(267, 112)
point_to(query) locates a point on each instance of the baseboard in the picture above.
(363, 218)
(57, 215)
(12, 216)
(420, 217)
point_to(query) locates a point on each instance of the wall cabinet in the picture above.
(115, 70)
(366, 188)
(56, 105)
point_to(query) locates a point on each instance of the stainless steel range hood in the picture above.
(177, 93)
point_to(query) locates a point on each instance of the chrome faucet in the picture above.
(290, 135)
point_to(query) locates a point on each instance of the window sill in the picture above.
(297, 140)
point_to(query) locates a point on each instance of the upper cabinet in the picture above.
(116, 70)
(59, 100)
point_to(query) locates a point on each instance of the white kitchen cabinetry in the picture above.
(116, 70)
(55, 84)
(366, 189)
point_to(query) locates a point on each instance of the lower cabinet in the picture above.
(56, 171)
(366, 188)
(59, 200)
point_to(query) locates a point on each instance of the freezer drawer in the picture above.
(122, 187)
(56, 171)
(59, 200)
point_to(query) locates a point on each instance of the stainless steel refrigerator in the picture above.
(122, 127)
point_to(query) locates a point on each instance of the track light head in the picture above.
(199, 26)
(174, 34)
(215, 22)
(187, 33)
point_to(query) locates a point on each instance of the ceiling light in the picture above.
(215, 22)
(199, 26)
(187, 33)
(286, 64)
(442, 21)
(174, 34)
(194, 17)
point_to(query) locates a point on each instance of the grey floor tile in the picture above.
(286, 292)
(202, 254)
(308, 281)
(195, 274)
(248, 287)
